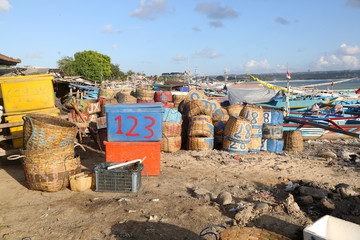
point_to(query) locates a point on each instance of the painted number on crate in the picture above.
(130, 132)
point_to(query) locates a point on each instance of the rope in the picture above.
(203, 234)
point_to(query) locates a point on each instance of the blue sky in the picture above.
(207, 37)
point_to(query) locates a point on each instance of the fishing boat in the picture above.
(298, 102)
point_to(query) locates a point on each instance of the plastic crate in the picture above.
(125, 179)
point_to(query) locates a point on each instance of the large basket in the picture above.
(50, 169)
(235, 146)
(171, 144)
(293, 140)
(220, 114)
(201, 126)
(106, 93)
(246, 233)
(198, 107)
(235, 109)
(219, 127)
(171, 129)
(125, 98)
(255, 144)
(255, 115)
(201, 143)
(145, 94)
(45, 132)
(238, 128)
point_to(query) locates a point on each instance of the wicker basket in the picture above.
(125, 98)
(235, 146)
(171, 144)
(235, 109)
(104, 102)
(171, 129)
(254, 114)
(254, 144)
(220, 114)
(199, 107)
(219, 127)
(201, 143)
(43, 131)
(124, 90)
(50, 169)
(246, 233)
(293, 140)
(238, 128)
(195, 95)
(81, 181)
(201, 126)
(106, 93)
(178, 99)
(145, 94)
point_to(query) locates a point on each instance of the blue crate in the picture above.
(134, 122)
(272, 145)
(184, 89)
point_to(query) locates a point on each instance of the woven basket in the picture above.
(43, 131)
(247, 233)
(171, 144)
(178, 99)
(219, 127)
(220, 114)
(145, 94)
(194, 95)
(254, 113)
(81, 181)
(254, 144)
(106, 93)
(234, 109)
(50, 169)
(125, 98)
(238, 128)
(171, 129)
(235, 146)
(293, 140)
(198, 107)
(104, 102)
(201, 126)
(200, 143)
(124, 90)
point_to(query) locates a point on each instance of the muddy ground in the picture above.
(282, 193)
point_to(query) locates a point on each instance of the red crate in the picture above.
(120, 152)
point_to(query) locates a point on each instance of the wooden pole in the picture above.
(291, 119)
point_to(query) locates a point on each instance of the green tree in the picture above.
(66, 64)
(130, 73)
(116, 73)
(92, 65)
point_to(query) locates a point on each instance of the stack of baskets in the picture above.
(164, 97)
(255, 115)
(201, 133)
(272, 131)
(49, 157)
(237, 135)
(171, 130)
(145, 95)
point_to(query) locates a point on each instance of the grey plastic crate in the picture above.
(125, 179)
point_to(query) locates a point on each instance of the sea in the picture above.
(338, 84)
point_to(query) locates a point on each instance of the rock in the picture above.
(224, 198)
(327, 154)
(291, 206)
(314, 192)
(261, 206)
(290, 186)
(345, 155)
(305, 200)
(153, 218)
(347, 192)
(244, 216)
(202, 194)
(327, 206)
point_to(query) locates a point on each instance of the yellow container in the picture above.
(26, 93)
(18, 142)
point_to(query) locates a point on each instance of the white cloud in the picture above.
(282, 21)
(216, 24)
(33, 55)
(346, 57)
(207, 53)
(180, 57)
(149, 11)
(349, 50)
(254, 66)
(353, 3)
(4, 6)
(109, 29)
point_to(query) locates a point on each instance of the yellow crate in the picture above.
(26, 93)
(18, 142)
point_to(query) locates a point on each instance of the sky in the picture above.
(203, 37)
